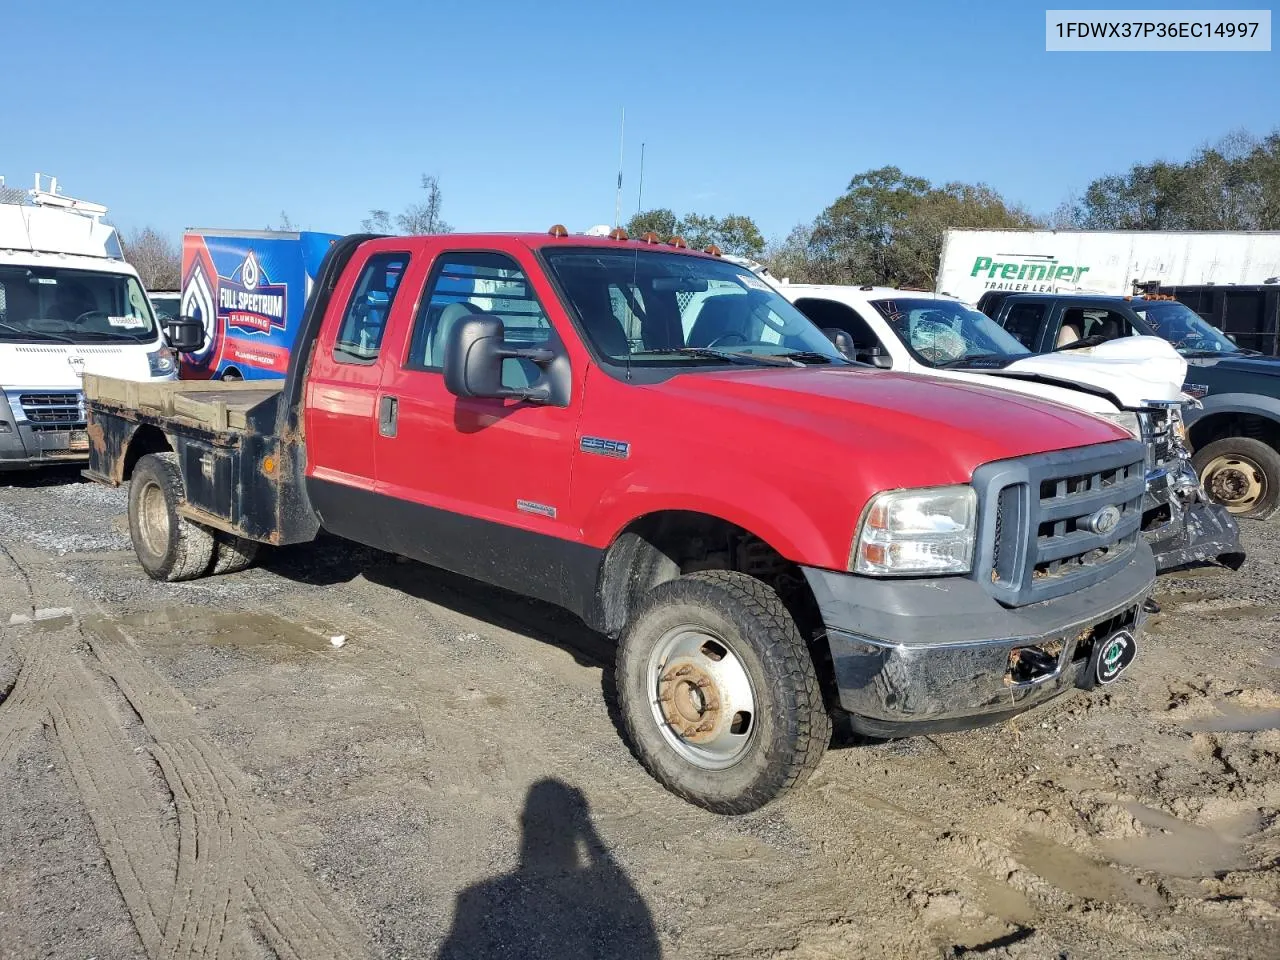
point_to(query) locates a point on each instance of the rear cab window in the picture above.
(359, 338)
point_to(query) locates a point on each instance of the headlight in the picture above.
(915, 532)
(1125, 420)
(162, 362)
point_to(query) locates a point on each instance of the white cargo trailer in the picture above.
(1099, 261)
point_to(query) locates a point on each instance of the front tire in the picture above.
(718, 692)
(169, 547)
(1242, 474)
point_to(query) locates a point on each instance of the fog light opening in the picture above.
(1029, 664)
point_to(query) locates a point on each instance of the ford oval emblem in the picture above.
(1104, 521)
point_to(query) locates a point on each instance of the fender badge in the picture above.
(618, 449)
(531, 506)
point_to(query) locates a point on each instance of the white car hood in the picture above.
(1135, 370)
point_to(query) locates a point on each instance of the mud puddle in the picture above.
(1079, 875)
(1180, 849)
(253, 633)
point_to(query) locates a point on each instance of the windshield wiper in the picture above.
(966, 361)
(36, 333)
(730, 356)
(813, 356)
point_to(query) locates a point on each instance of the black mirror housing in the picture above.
(841, 340)
(184, 334)
(473, 356)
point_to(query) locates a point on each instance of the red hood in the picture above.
(955, 426)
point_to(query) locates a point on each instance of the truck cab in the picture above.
(69, 305)
(1233, 428)
(655, 440)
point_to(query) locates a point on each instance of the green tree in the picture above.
(888, 227)
(1233, 184)
(735, 233)
(660, 220)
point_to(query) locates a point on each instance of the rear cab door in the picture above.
(342, 387)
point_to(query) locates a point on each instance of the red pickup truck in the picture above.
(654, 439)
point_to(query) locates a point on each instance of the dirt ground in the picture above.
(196, 770)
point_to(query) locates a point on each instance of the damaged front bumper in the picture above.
(918, 656)
(1184, 527)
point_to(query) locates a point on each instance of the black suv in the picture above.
(1234, 433)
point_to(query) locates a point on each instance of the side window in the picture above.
(1023, 321)
(360, 336)
(1080, 322)
(828, 314)
(468, 284)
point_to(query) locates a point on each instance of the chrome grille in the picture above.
(1158, 436)
(53, 411)
(1037, 534)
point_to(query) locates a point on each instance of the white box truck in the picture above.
(69, 305)
(1102, 262)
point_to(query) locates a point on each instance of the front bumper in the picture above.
(1190, 530)
(914, 656)
(24, 445)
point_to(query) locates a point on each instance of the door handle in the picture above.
(388, 416)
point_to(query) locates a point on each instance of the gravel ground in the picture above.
(196, 770)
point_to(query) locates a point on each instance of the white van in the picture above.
(69, 305)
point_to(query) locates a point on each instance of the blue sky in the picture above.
(224, 114)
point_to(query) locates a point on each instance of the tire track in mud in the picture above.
(193, 891)
(228, 867)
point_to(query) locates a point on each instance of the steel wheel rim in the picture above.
(1234, 481)
(702, 697)
(153, 518)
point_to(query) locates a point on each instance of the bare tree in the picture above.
(424, 218)
(155, 257)
(417, 219)
(286, 225)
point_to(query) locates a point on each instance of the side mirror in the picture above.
(879, 358)
(473, 355)
(184, 334)
(841, 340)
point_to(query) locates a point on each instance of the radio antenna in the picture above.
(640, 192)
(622, 141)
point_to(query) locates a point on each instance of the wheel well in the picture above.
(231, 373)
(662, 546)
(146, 439)
(1218, 426)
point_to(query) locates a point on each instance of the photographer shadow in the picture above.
(566, 898)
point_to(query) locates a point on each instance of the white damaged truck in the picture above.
(1135, 382)
(69, 305)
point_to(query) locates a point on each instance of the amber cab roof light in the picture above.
(712, 249)
(678, 242)
(558, 230)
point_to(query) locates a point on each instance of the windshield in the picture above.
(939, 332)
(654, 309)
(1183, 327)
(76, 306)
(167, 304)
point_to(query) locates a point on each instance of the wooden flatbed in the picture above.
(214, 404)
